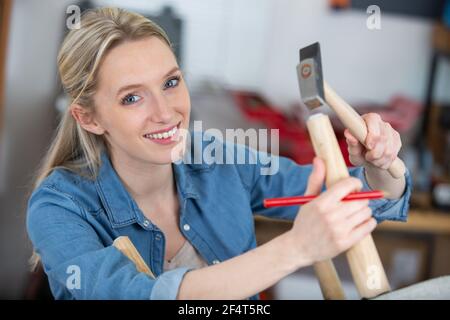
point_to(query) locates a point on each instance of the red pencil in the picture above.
(292, 201)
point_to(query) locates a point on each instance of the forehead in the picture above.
(147, 59)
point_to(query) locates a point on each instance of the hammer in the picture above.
(363, 259)
(315, 92)
(365, 265)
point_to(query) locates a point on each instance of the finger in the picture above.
(339, 190)
(358, 217)
(357, 161)
(316, 178)
(354, 146)
(390, 150)
(396, 148)
(383, 144)
(356, 154)
(381, 163)
(351, 140)
(356, 150)
(340, 215)
(397, 140)
(390, 153)
(345, 227)
(346, 209)
(377, 150)
(384, 162)
(361, 231)
(373, 122)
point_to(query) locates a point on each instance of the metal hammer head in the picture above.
(310, 78)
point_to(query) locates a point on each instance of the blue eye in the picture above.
(130, 99)
(171, 83)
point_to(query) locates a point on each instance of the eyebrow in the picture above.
(137, 85)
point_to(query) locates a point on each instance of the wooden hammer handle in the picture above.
(357, 126)
(364, 261)
(125, 245)
(329, 282)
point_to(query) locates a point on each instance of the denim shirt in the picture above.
(72, 221)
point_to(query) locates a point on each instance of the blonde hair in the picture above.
(79, 57)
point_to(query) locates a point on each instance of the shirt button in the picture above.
(216, 261)
(158, 237)
(186, 227)
(146, 223)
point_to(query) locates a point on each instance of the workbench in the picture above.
(427, 231)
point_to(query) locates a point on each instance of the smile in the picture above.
(163, 134)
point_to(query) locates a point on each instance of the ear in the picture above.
(86, 119)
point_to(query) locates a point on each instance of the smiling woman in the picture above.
(112, 171)
(110, 121)
(140, 98)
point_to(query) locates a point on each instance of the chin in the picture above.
(165, 157)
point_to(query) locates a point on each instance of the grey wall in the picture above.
(254, 44)
(31, 86)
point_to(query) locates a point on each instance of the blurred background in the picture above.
(239, 58)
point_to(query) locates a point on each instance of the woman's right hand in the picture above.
(328, 226)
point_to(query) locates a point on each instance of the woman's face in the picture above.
(142, 101)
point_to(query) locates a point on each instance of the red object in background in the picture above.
(294, 138)
(339, 4)
(401, 112)
(255, 108)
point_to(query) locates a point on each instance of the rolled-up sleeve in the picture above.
(167, 285)
(78, 264)
(290, 179)
(387, 209)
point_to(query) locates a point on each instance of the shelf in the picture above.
(425, 221)
(419, 221)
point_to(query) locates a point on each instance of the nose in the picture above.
(161, 112)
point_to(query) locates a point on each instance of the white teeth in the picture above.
(163, 135)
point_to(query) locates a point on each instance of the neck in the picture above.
(145, 181)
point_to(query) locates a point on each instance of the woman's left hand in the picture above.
(382, 141)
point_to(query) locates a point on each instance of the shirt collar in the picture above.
(121, 208)
(185, 169)
(118, 203)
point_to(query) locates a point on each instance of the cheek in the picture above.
(123, 125)
(184, 100)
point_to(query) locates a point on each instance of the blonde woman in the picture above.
(110, 172)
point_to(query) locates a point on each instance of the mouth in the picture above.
(164, 134)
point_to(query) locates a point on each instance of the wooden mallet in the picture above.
(124, 245)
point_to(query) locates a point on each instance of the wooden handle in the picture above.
(329, 282)
(125, 245)
(357, 126)
(364, 261)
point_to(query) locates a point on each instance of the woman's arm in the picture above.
(245, 275)
(323, 228)
(78, 264)
(380, 179)
(288, 179)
